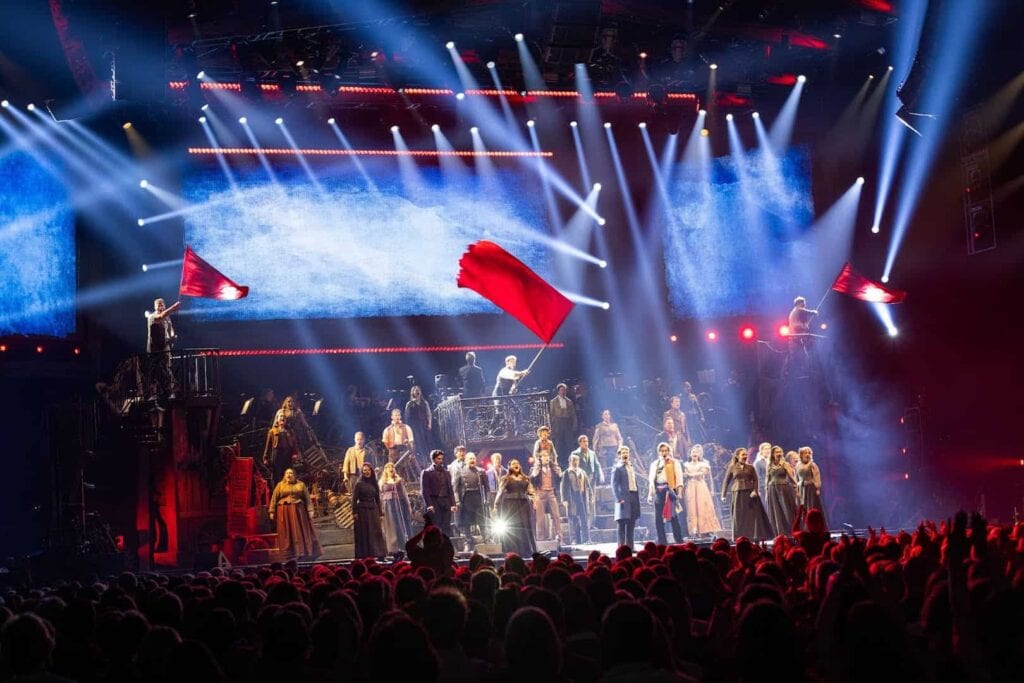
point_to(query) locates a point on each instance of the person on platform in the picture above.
(808, 478)
(304, 434)
(577, 492)
(607, 439)
(544, 442)
(438, 495)
(471, 499)
(748, 515)
(695, 420)
(292, 509)
(800, 317)
(394, 499)
(368, 514)
(471, 378)
(675, 411)
(458, 464)
(780, 501)
(398, 438)
(627, 497)
(420, 420)
(591, 465)
(564, 424)
(352, 465)
(764, 451)
(669, 435)
(513, 508)
(495, 473)
(160, 337)
(281, 449)
(665, 492)
(508, 378)
(546, 477)
(701, 516)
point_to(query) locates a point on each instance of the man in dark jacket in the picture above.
(627, 497)
(576, 493)
(471, 377)
(471, 498)
(436, 489)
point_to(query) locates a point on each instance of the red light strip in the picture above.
(304, 87)
(269, 87)
(366, 90)
(213, 85)
(352, 350)
(426, 91)
(177, 85)
(491, 92)
(288, 151)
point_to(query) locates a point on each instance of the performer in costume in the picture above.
(471, 377)
(669, 435)
(748, 515)
(761, 467)
(291, 507)
(780, 502)
(397, 511)
(438, 496)
(352, 465)
(679, 418)
(398, 438)
(800, 317)
(281, 448)
(513, 507)
(701, 516)
(563, 422)
(160, 338)
(470, 498)
(665, 491)
(808, 477)
(544, 442)
(591, 464)
(420, 420)
(627, 497)
(458, 464)
(607, 439)
(577, 492)
(546, 477)
(369, 516)
(508, 377)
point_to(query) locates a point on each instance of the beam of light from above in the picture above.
(330, 152)
(173, 201)
(186, 210)
(484, 166)
(833, 234)
(451, 166)
(957, 36)
(585, 300)
(149, 267)
(343, 139)
(668, 158)
(692, 151)
(624, 191)
(104, 162)
(531, 74)
(905, 44)
(884, 314)
(506, 108)
(581, 156)
(764, 145)
(664, 203)
(782, 127)
(301, 157)
(221, 161)
(264, 162)
(549, 197)
(411, 177)
(480, 110)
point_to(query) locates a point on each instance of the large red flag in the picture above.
(199, 278)
(510, 285)
(854, 284)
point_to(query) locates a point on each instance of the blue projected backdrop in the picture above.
(37, 250)
(352, 250)
(734, 246)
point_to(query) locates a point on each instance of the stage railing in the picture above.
(185, 374)
(492, 419)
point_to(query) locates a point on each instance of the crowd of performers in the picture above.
(518, 506)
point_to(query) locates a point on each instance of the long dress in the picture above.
(296, 537)
(417, 416)
(701, 517)
(516, 510)
(366, 507)
(809, 483)
(397, 516)
(780, 502)
(748, 515)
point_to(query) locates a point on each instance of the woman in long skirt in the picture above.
(808, 478)
(748, 516)
(513, 510)
(781, 497)
(397, 511)
(291, 507)
(701, 517)
(367, 511)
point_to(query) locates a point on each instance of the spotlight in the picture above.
(373, 55)
(191, 15)
(450, 45)
(606, 305)
(144, 268)
(126, 125)
(300, 63)
(202, 119)
(5, 104)
(871, 77)
(279, 121)
(330, 121)
(603, 264)
(890, 67)
(141, 222)
(885, 278)
(201, 75)
(78, 351)
(728, 117)
(673, 338)
(755, 115)
(143, 184)
(860, 180)
(893, 332)
(490, 65)
(3, 349)
(712, 336)
(608, 124)
(875, 229)
(643, 55)
(31, 107)
(499, 527)
(713, 67)
(474, 130)
(436, 128)
(39, 349)
(531, 123)
(703, 112)
(704, 132)
(801, 78)
(783, 330)
(837, 36)
(519, 37)
(747, 333)
(394, 129)
(242, 120)
(824, 326)
(597, 186)
(641, 125)
(460, 96)
(601, 221)
(573, 124)
(205, 107)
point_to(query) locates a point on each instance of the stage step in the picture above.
(335, 536)
(640, 534)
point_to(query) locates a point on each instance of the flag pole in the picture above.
(532, 362)
(822, 302)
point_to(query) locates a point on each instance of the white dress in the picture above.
(701, 517)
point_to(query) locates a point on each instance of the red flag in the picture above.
(199, 278)
(510, 285)
(854, 284)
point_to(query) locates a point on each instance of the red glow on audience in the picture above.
(748, 333)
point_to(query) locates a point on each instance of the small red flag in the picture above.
(509, 284)
(854, 284)
(199, 278)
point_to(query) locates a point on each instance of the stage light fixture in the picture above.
(5, 104)
(601, 221)
(801, 78)
(205, 107)
(39, 349)
(143, 184)
(572, 124)
(597, 186)
(608, 124)
(603, 264)
(450, 45)
(490, 65)
(242, 120)
(755, 115)
(201, 75)
(641, 125)
(890, 67)
(279, 121)
(77, 351)
(141, 222)
(871, 77)
(436, 128)
(860, 180)
(643, 55)
(126, 125)
(460, 96)
(373, 55)
(519, 37)
(300, 63)
(875, 229)
(704, 132)
(728, 117)
(783, 330)
(713, 67)
(144, 267)
(747, 333)
(31, 107)
(474, 130)
(702, 112)
(885, 278)
(673, 338)
(330, 121)
(893, 332)
(712, 336)
(531, 123)
(202, 119)
(606, 305)
(837, 36)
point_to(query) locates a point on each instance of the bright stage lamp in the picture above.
(801, 78)
(490, 65)
(601, 221)
(474, 130)
(531, 123)
(242, 120)
(141, 222)
(713, 67)
(330, 121)
(608, 124)
(436, 128)
(597, 186)
(31, 107)
(205, 107)
(279, 121)
(885, 278)
(126, 125)
(728, 117)
(573, 124)
(755, 115)
(450, 45)
(603, 264)
(5, 104)
(201, 75)
(144, 267)
(606, 305)
(519, 37)
(394, 129)
(712, 336)
(747, 333)
(875, 229)
(703, 112)
(499, 527)
(460, 96)
(202, 119)
(143, 184)
(860, 180)
(642, 125)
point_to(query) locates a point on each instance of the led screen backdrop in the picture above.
(37, 250)
(736, 245)
(350, 251)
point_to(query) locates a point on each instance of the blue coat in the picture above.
(620, 489)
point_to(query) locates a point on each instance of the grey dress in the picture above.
(397, 516)
(780, 502)
(809, 483)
